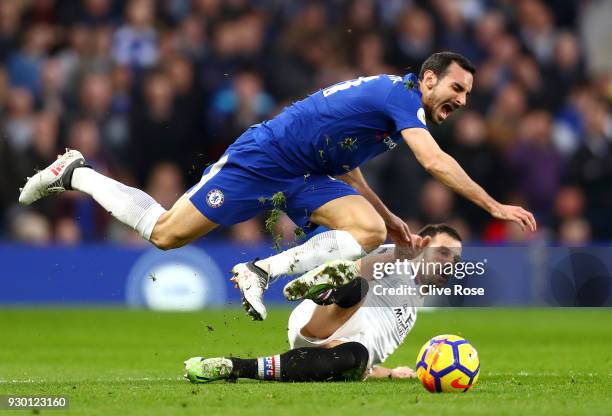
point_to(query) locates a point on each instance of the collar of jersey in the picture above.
(412, 77)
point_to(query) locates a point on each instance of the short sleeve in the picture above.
(405, 108)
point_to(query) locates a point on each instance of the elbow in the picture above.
(433, 164)
(429, 166)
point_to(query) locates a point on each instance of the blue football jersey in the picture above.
(340, 127)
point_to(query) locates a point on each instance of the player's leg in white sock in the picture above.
(329, 245)
(356, 227)
(174, 228)
(131, 206)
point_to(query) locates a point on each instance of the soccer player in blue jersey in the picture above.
(311, 152)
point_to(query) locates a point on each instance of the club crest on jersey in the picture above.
(214, 198)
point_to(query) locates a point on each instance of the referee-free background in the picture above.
(151, 92)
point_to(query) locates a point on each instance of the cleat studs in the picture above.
(20, 189)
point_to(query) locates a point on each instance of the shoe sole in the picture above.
(246, 305)
(327, 276)
(250, 310)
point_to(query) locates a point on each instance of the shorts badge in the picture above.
(214, 198)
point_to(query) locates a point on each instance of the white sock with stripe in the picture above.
(131, 206)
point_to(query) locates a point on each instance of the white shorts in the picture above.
(353, 330)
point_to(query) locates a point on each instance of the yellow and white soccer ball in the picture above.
(449, 364)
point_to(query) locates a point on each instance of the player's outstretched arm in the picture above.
(446, 169)
(394, 373)
(397, 229)
(389, 253)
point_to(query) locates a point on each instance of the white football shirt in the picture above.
(380, 324)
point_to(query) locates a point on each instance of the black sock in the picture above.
(350, 294)
(347, 361)
(244, 367)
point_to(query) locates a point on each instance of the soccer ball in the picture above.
(448, 363)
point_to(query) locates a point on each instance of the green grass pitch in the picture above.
(119, 362)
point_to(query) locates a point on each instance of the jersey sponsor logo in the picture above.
(214, 198)
(421, 116)
(388, 141)
(385, 137)
(457, 384)
(404, 319)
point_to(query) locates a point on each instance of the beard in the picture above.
(437, 108)
(430, 107)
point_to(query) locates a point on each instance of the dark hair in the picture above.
(434, 229)
(439, 63)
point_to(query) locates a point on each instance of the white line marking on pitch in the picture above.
(128, 379)
(99, 380)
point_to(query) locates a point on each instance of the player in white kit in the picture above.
(346, 333)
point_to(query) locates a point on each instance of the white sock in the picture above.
(131, 206)
(330, 245)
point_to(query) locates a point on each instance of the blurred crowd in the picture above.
(153, 91)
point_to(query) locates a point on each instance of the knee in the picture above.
(371, 233)
(165, 242)
(361, 354)
(163, 237)
(360, 358)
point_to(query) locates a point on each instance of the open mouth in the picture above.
(446, 109)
